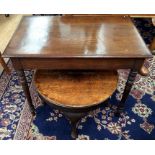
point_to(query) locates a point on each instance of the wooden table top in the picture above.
(77, 37)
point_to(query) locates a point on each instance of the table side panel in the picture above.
(83, 64)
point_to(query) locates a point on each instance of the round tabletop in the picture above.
(75, 88)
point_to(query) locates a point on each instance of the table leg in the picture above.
(74, 119)
(22, 79)
(152, 46)
(129, 83)
(25, 87)
(4, 65)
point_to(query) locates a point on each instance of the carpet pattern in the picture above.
(137, 121)
(146, 28)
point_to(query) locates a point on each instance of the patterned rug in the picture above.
(137, 121)
(146, 28)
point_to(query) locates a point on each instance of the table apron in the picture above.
(78, 63)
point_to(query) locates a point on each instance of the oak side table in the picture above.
(77, 43)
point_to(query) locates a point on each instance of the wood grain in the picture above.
(77, 36)
(75, 88)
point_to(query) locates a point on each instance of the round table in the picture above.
(75, 93)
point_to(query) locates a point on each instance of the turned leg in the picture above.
(152, 46)
(74, 119)
(129, 83)
(74, 133)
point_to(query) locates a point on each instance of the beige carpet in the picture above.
(8, 25)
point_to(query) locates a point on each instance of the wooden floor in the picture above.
(8, 26)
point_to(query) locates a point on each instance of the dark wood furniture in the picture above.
(78, 43)
(75, 93)
(4, 65)
(152, 45)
